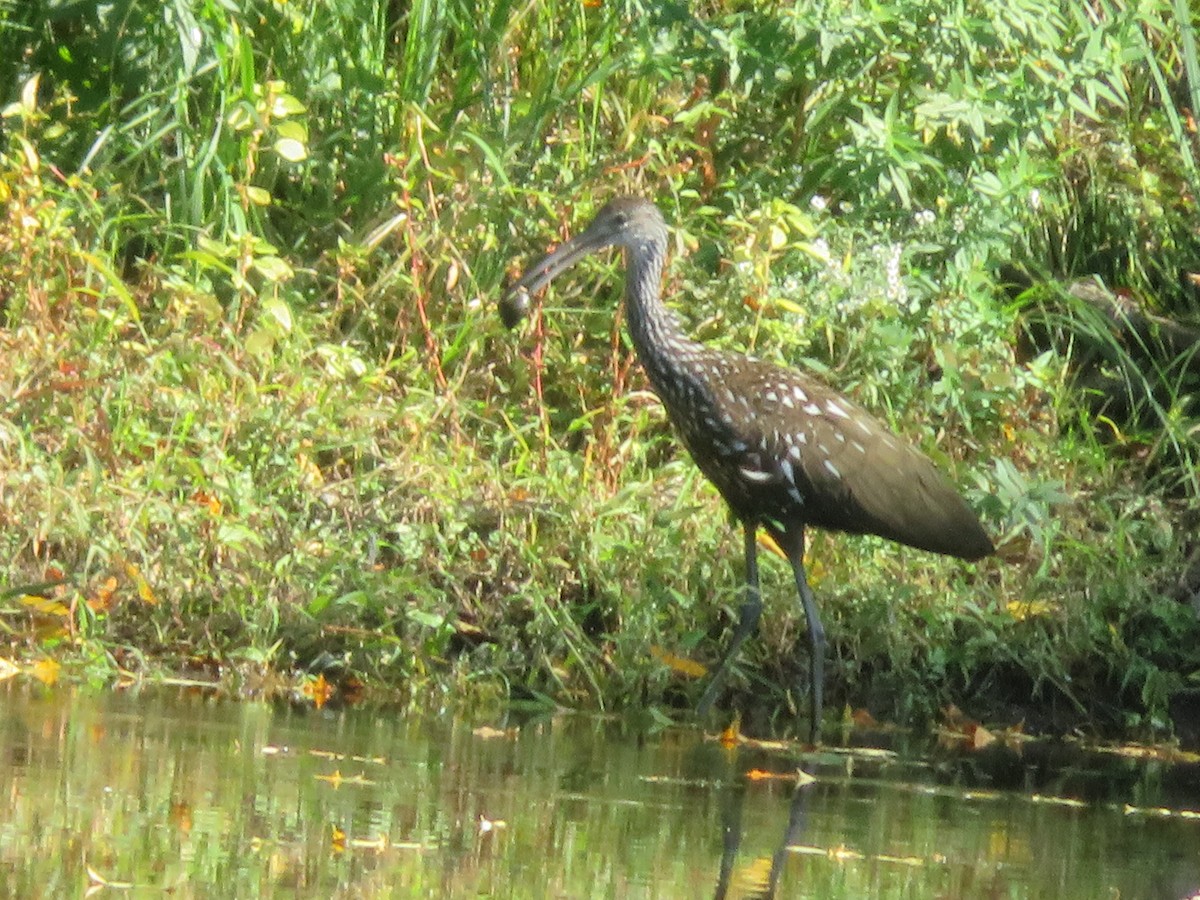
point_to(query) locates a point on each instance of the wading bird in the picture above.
(785, 451)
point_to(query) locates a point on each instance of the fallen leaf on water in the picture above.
(901, 860)
(99, 882)
(982, 737)
(731, 736)
(762, 775)
(318, 690)
(1162, 752)
(486, 824)
(799, 776)
(488, 733)
(1069, 802)
(953, 716)
(342, 757)
(1161, 812)
(843, 853)
(956, 726)
(181, 815)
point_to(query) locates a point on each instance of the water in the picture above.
(136, 795)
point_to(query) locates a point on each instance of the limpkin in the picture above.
(784, 450)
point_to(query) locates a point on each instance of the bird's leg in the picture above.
(751, 610)
(816, 633)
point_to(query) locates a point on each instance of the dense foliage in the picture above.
(256, 407)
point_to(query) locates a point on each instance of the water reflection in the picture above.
(200, 797)
(757, 883)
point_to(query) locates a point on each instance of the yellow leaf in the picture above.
(46, 606)
(768, 543)
(731, 736)
(788, 306)
(310, 473)
(688, 667)
(318, 690)
(286, 105)
(1022, 610)
(208, 501)
(145, 592)
(45, 671)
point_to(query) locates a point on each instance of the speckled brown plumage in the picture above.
(784, 450)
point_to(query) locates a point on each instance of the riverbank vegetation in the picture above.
(258, 415)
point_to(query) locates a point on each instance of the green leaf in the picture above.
(260, 343)
(273, 268)
(280, 312)
(238, 536)
(286, 105)
(242, 116)
(291, 149)
(427, 619)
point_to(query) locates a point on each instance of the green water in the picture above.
(169, 794)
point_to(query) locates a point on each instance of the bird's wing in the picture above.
(815, 457)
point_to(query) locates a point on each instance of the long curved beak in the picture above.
(515, 305)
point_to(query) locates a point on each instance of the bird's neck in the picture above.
(657, 336)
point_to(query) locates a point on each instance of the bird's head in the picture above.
(624, 221)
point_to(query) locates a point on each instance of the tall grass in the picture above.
(271, 416)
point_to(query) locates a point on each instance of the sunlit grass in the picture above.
(250, 351)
